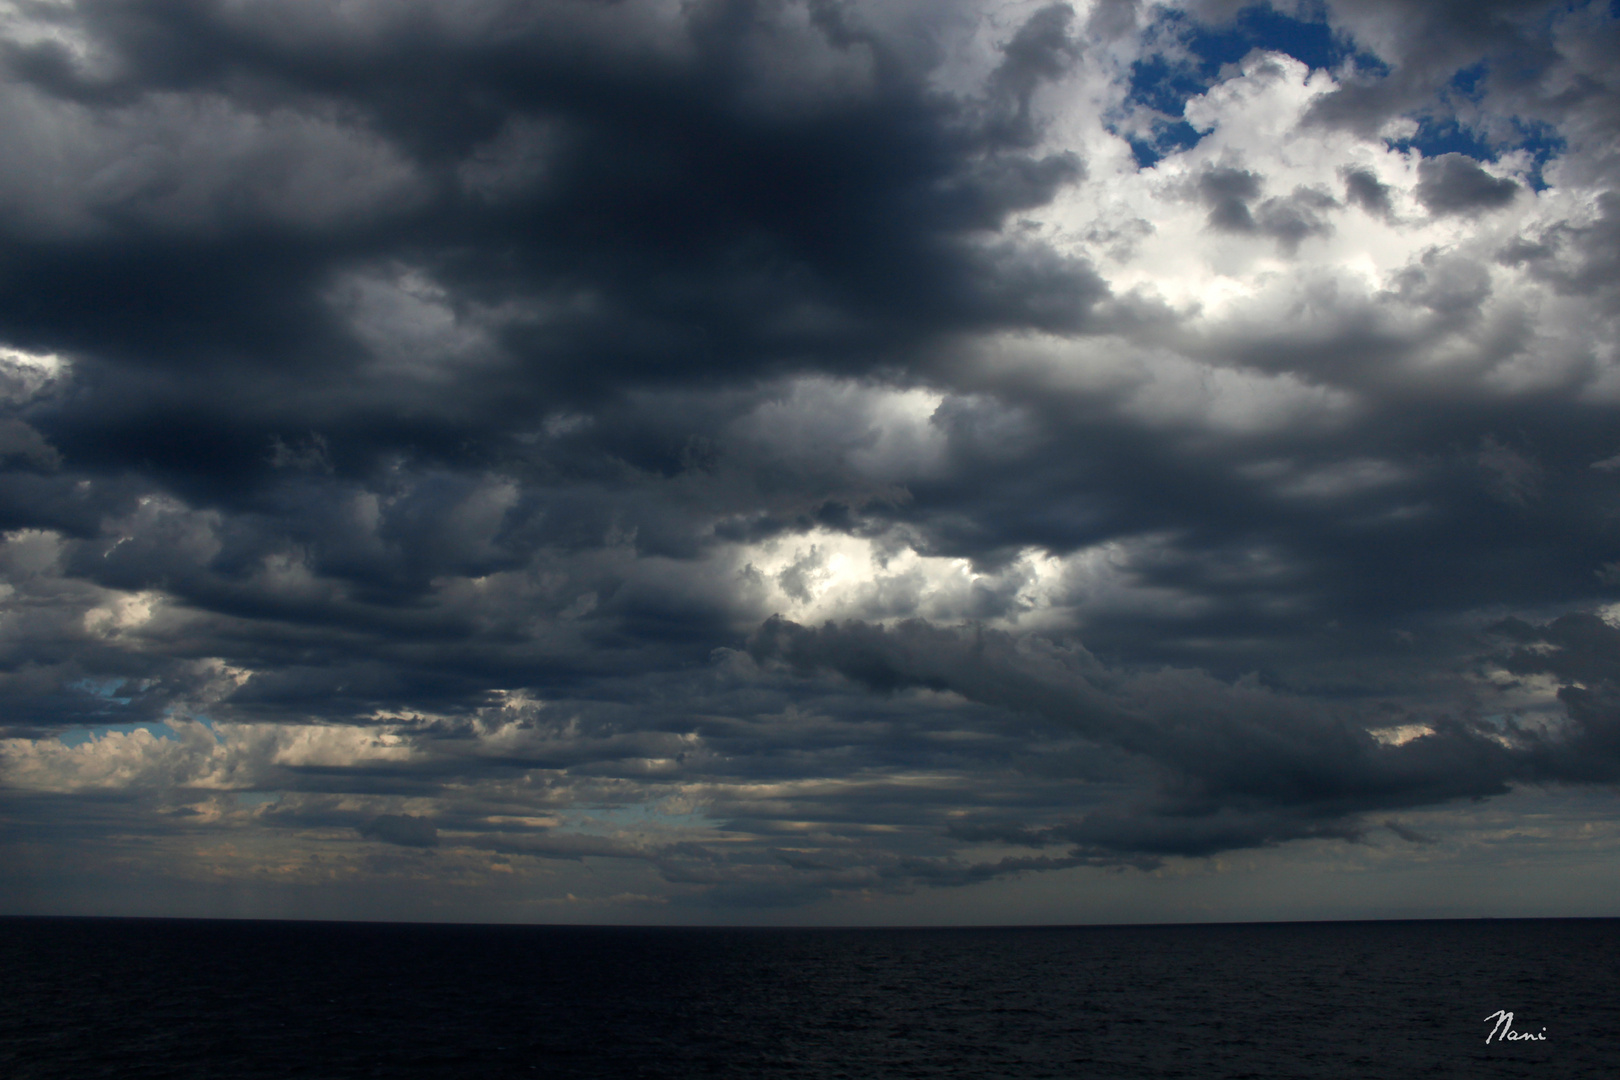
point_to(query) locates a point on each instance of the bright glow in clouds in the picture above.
(822, 575)
(26, 375)
(200, 757)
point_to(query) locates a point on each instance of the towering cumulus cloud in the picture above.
(776, 459)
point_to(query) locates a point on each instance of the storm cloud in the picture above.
(773, 453)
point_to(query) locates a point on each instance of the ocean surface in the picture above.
(85, 998)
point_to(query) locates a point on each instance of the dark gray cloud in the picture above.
(1455, 184)
(1238, 766)
(1040, 51)
(703, 233)
(1577, 259)
(1411, 836)
(1425, 45)
(1582, 652)
(1228, 192)
(1289, 219)
(1364, 189)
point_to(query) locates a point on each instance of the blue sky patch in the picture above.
(1469, 81)
(1445, 136)
(1311, 43)
(1192, 54)
(1161, 85)
(1167, 139)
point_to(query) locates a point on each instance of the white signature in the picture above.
(1503, 1031)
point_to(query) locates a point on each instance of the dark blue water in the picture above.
(86, 998)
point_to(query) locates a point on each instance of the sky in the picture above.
(809, 461)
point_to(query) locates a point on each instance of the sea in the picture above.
(134, 998)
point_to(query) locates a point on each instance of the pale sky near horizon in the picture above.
(809, 461)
